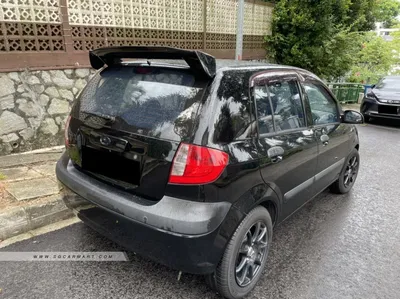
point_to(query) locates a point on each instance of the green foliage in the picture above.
(320, 36)
(376, 58)
(360, 15)
(386, 11)
(396, 37)
(326, 36)
(2, 176)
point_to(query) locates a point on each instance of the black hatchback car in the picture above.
(193, 164)
(383, 100)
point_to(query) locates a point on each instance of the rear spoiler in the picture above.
(201, 63)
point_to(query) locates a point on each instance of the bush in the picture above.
(317, 35)
(376, 58)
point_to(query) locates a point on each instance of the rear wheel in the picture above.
(245, 256)
(348, 175)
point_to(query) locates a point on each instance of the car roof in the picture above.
(256, 66)
(221, 65)
(225, 64)
(231, 63)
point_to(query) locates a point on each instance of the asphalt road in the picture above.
(344, 246)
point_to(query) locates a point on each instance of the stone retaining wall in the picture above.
(34, 106)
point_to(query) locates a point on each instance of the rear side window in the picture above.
(279, 106)
(234, 118)
(151, 101)
(264, 110)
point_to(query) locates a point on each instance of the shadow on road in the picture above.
(292, 240)
(301, 248)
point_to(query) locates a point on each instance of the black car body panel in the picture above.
(121, 163)
(197, 254)
(169, 214)
(136, 148)
(383, 100)
(138, 159)
(184, 235)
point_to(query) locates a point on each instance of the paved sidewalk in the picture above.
(354, 106)
(29, 193)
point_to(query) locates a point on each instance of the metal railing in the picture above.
(347, 92)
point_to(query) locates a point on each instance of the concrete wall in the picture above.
(34, 106)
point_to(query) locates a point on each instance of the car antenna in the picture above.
(148, 62)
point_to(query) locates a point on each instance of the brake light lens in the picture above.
(66, 135)
(194, 165)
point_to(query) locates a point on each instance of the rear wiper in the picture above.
(101, 115)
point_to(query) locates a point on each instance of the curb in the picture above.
(40, 231)
(42, 155)
(19, 220)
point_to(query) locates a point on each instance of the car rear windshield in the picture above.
(389, 84)
(152, 101)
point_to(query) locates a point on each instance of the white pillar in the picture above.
(239, 31)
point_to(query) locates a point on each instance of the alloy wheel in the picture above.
(251, 254)
(350, 173)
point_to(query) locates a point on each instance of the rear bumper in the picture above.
(373, 108)
(184, 235)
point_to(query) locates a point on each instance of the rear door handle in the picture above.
(275, 153)
(324, 139)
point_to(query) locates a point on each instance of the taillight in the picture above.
(66, 135)
(195, 165)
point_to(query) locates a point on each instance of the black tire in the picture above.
(363, 109)
(366, 118)
(224, 279)
(346, 182)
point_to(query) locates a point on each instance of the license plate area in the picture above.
(111, 164)
(388, 109)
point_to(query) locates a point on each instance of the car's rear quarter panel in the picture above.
(227, 122)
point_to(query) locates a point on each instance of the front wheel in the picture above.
(349, 173)
(245, 256)
(367, 119)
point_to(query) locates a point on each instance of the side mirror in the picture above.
(352, 117)
(373, 86)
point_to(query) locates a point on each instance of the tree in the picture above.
(376, 58)
(386, 11)
(320, 36)
(324, 36)
(396, 37)
(360, 15)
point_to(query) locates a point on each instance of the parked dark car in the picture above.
(193, 165)
(383, 100)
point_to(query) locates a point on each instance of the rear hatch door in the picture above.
(129, 121)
